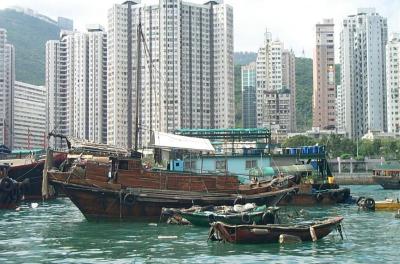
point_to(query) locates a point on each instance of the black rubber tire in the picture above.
(211, 218)
(268, 218)
(129, 199)
(369, 203)
(6, 184)
(246, 219)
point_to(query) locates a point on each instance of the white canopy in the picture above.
(170, 141)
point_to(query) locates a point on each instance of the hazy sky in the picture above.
(292, 21)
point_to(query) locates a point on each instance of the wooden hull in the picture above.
(7, 201)
(135, 204)
(252, 234)
(388, 182)
(10, 193)
(327, 197)
(33, 172)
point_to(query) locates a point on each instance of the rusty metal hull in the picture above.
(96, 203)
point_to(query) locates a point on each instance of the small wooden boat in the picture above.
(388, 204)
(270, 233)
(385, 205)
(234, 215)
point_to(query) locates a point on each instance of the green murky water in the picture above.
(56, 232)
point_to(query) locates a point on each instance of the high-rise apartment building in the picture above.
(7, 79)
(76, 82)
(363, 75)
(275, 86)
(186, 68)
(324, 87)
(249, 113)
(289, 86)
(29, 116)
(393, 83)
(340, 109)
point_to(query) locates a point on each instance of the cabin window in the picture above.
(123, 165)
(251, 164)
(220, 165)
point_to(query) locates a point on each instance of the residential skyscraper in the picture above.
(7, 79)
(29, 116)
(340, 109)
(186, 64)
(363, 75)
(275, 86)
(76, 81)
(249, 113)
(289, 85)
(324, 87)
(393, 83)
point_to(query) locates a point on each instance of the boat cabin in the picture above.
(387, 169)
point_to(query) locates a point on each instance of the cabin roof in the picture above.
(170, 141)
(388, 166)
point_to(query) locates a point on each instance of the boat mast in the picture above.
(138, 79)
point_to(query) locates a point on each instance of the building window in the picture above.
(220, 165)
(251, 164)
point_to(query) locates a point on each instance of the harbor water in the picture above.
(56, 232)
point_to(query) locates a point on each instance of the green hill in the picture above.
(304, 92)
(28, 35)
(303, 86)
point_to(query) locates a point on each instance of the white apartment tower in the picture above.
(324, 87)
(340, 109)
(275, 86)
(363, 76)
(393, 83)
(7, 79)
(29, 116)
(186, 68)
(76, 82)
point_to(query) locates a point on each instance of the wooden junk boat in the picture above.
(120, 186)
(271, 233)
(29, 169)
